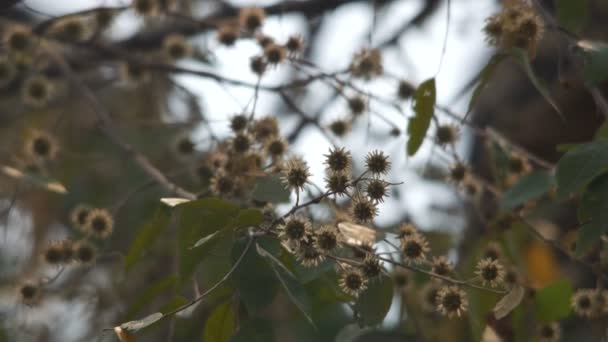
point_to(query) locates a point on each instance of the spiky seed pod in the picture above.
(458, 173)
(36, 91)
(78, 216)
(251, 18)
(29, 293)
(491, 272)
(518, 164)
(184, 146)
(238, 123)
(53, 254)
(71, 29)
(133, 73)
(446, 135)
(471, 187)
(371, 267)
(276, 147)
(7, 71)
(227, 34)
(241, 143)
(67, 248)
(405, 90)
(222, 184)
(357, 105)
(265, 128)
(413, 248)
(175, 47)
(337, 183)
(103, 17)
(494, 29)
(294, 229)
(18, 39)
(442, 266)
(407, 230)
(339, 127)
(549, 332)
(363, 251)
(100, 223)
(264, 40)
(296, 173)
(41, 146)
(326, 239)
(377, 190)
(258, 65)
(307, 254)
(366, 64)
(145, 7)
(84, 252)
(377, 162)
(429, 296)
(275, 54)
(451, 301)
(512, 277)
(338, 160)
(352, 282)
(493, 251)
(294, 44)
(584, 302)
(362, 209)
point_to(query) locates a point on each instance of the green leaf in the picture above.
(254, 330)
(270, 189)
(572, 14)
(206, 239)
(248, 218)
(602, 132)
(146, 235)
(134, 326)
(150, 294)
(593, 215)
(596, 66)
(220, 324)
(527, 188)
(538, 83)
(373, 304)
(484, 76)
(566, 147)
(553, 301)
(253, 278)
(581, 165)
(424, 108)
(294, 289)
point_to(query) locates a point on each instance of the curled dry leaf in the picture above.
(509, 302)
(356, 234)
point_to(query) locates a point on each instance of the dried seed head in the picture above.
(41, 146)
(366, 64)
(176, 47)
(337, 182)
(451, 301)
(104, 17)
(371, 267)
(491, 272)
(78, 216)
(53, 254)
(18, 39)
(363, 251)
(377, 190)
(238, 123)
(338, 160)
(407, 230)
(493, 251)
(29, 293)
(294, 44)
(36, 91)
(265, 128)
(414, 247)
(549, 332)
(7, 71)
(307, 254)
(72, 29)
(99, 223)
(294, 229)
(241, 143)
(258, 65)
(264, 40)
(84, 252)
(339, 127)
(222, 184)
(494, 29)
(377, 163)
(251, 18)
(326, 239)
(184, 146)
(145, 7)
(357, 105)
(518, 164)
(584, 302)
(296, 173)
(353, 282)
(133, 73)
(405, 90)
(446, 135)
(227, 34)
(275, 54)
(429, 296)
(442, 266)
(458, 173)
(363, 210)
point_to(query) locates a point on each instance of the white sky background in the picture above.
(417, 61)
